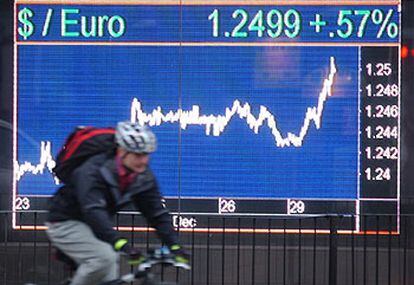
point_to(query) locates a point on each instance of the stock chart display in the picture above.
(260, 107)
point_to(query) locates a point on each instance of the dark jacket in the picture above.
(93, 196)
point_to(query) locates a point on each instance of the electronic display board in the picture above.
(261, 108)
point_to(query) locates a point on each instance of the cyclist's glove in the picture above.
(135, 256)
(181, 256)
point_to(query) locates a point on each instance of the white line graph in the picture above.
(214, 125)
(46, 163)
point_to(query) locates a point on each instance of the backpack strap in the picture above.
(82, 136)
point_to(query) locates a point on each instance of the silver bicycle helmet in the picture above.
(135, 138)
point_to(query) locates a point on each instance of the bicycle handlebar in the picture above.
(161, 256)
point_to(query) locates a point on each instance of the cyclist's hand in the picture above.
(181, 256)
(135, 256)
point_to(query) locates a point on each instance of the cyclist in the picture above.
(81, 214)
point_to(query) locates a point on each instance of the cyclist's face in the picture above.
(137, 162)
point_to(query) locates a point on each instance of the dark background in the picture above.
(24, 257)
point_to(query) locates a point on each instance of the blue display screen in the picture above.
(69, 86)
(250, 102)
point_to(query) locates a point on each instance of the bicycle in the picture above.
(161, 256)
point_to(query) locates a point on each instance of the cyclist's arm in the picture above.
(149, 202)
(91, 197)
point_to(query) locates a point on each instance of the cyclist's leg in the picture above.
(97, 260)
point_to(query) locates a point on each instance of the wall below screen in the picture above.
(228, 259)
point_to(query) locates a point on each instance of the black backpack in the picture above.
(81, 144)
